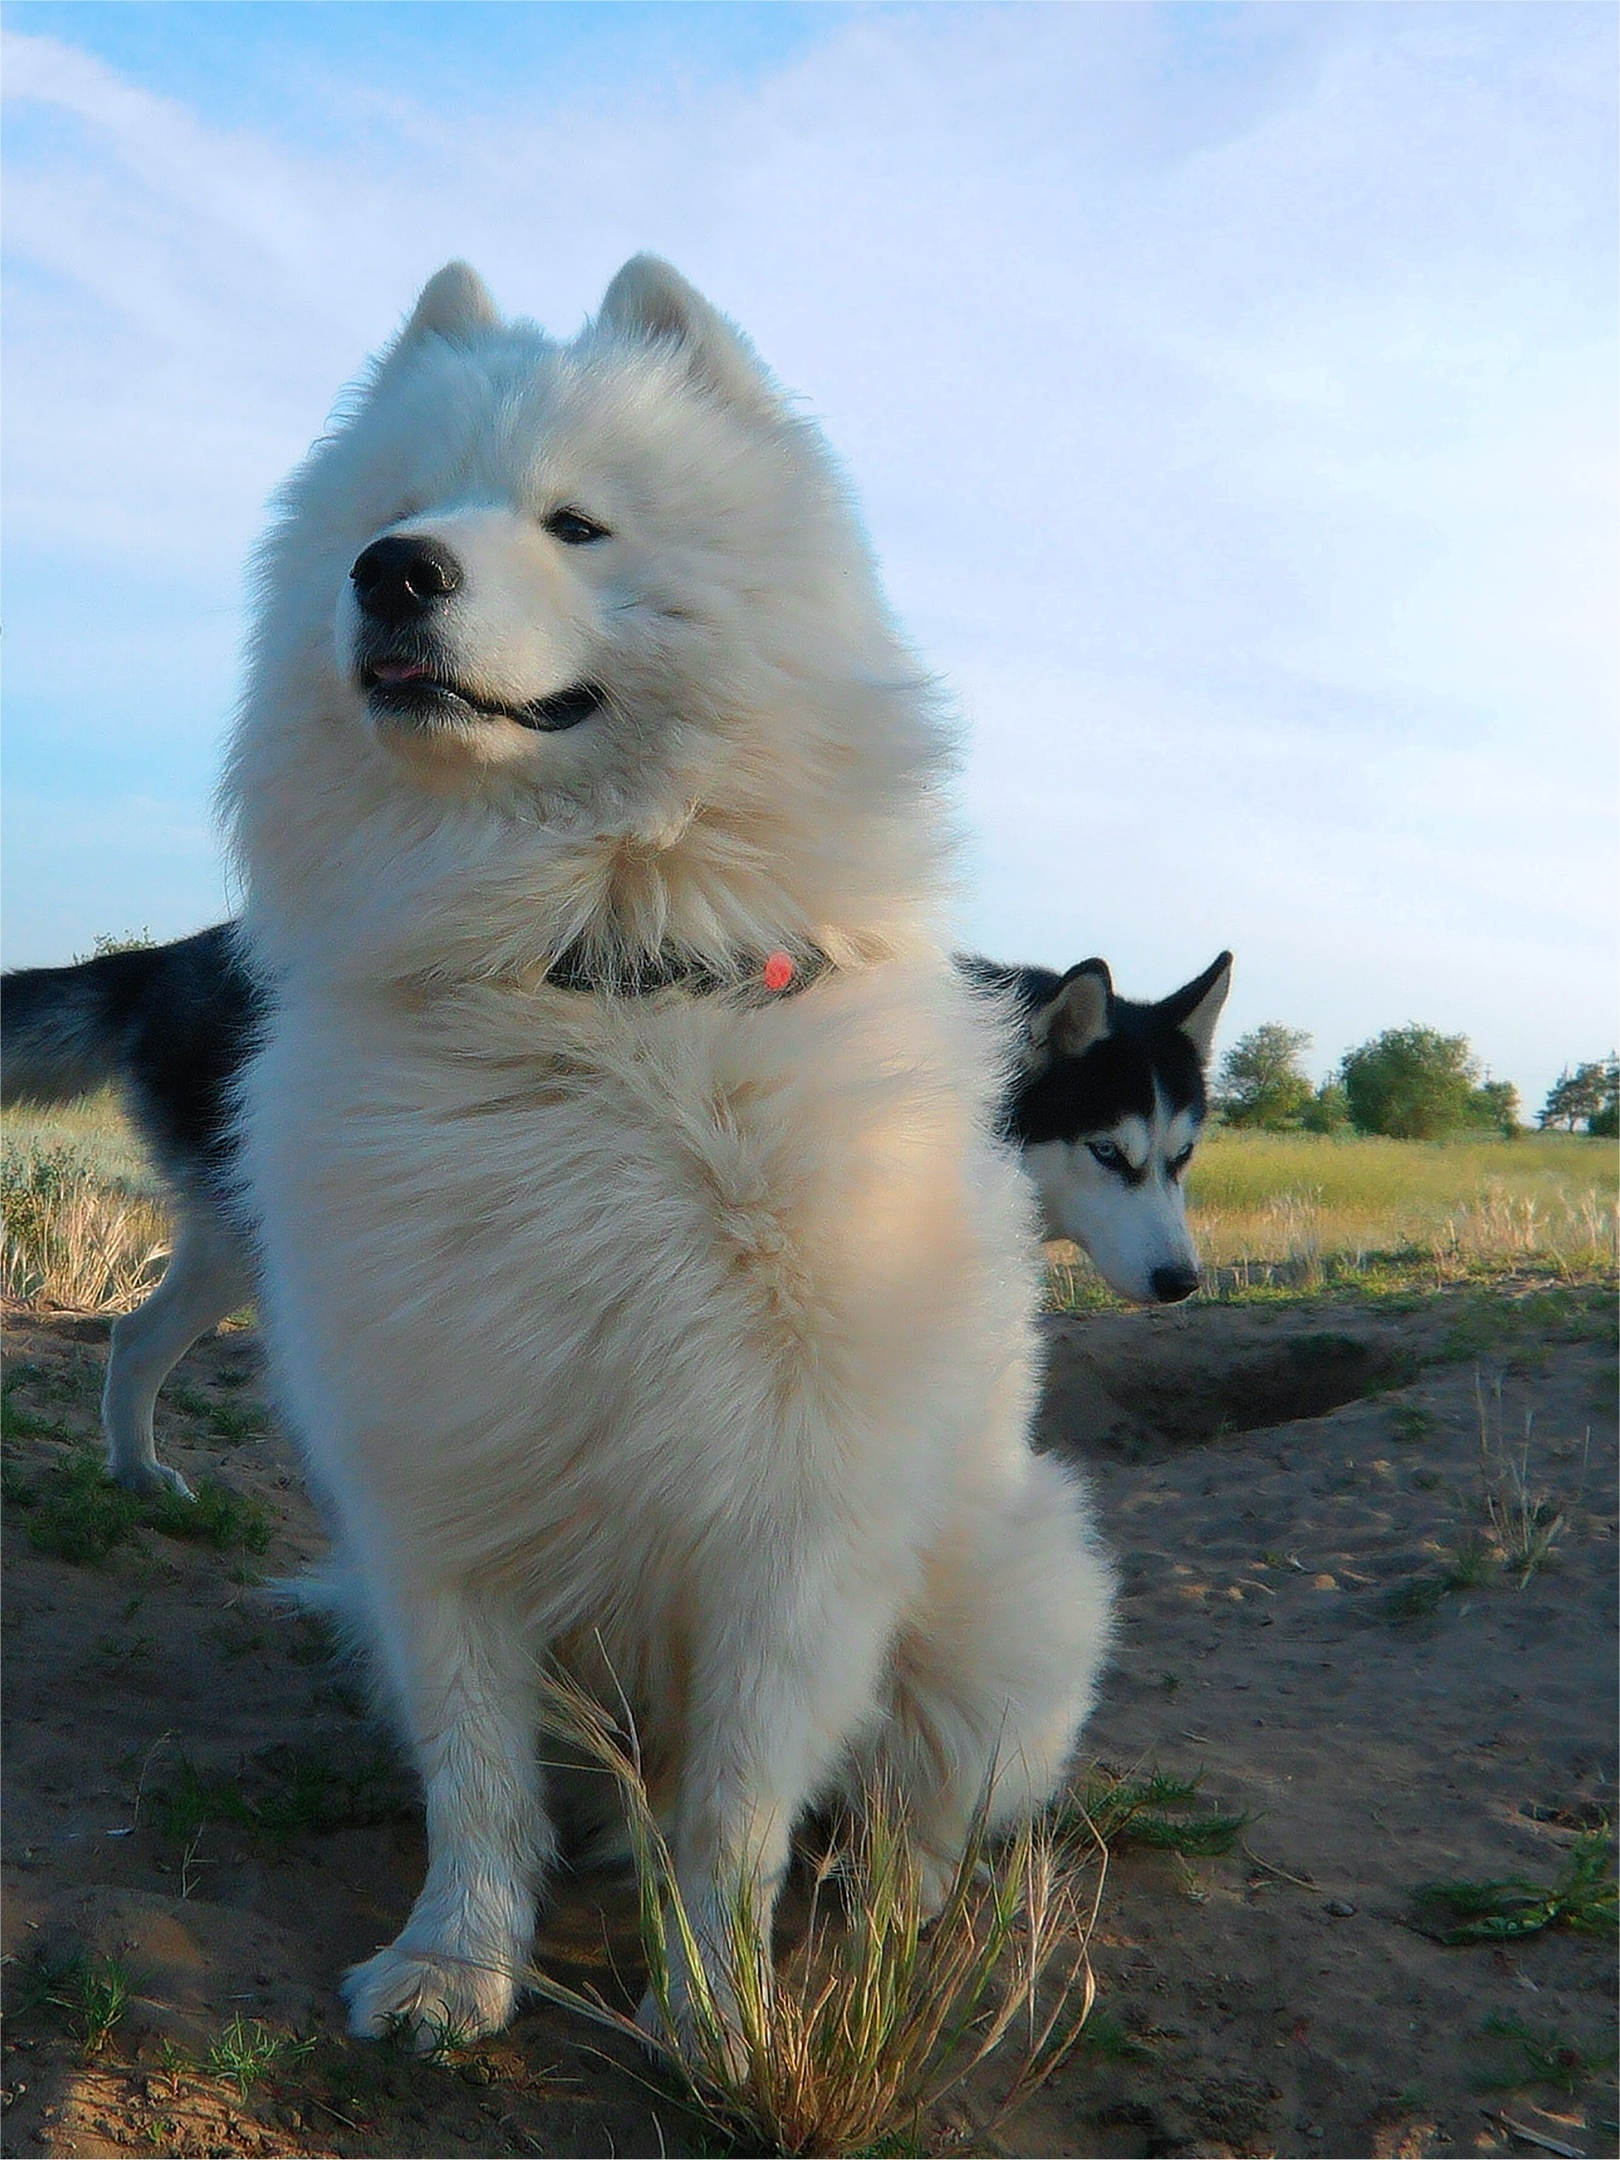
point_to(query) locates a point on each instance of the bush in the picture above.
(1328, 1110)
(1261, 1083)
(1411, 1083)
(1494, 1107)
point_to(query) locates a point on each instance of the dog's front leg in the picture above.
(464, 1678)
(785, 1680)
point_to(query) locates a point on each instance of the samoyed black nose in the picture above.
(398, 579)
(1172, 1284)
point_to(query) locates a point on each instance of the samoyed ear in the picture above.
(454, 305)
(648, 299)
(1077, 1016)
(1196, 1007)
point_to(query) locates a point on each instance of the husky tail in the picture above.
(167, 1025)
(64, 1029)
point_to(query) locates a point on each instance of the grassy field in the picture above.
(1272, 1212)
(1259, 1199)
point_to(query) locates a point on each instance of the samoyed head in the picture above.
(612, 591)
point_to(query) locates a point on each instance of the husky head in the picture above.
(590, 626)
(1108, 1109)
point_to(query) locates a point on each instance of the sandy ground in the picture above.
(1267, 1475)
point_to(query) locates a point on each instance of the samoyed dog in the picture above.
(640, 1268)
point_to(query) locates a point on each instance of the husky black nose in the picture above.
(1172, 1284)
(398, 579)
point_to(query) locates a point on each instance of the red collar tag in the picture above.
(778, 971)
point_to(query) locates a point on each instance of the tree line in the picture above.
(1410, 1083)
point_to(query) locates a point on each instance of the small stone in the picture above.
(1340, 1911)
(1315, 2130)
(477, 2073)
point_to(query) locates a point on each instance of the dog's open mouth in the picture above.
(409, 690)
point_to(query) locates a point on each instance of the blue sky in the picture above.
(1229, 391)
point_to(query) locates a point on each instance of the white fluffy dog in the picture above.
(611, 1289)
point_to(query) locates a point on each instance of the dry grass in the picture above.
(74, 1238)
(1525, 1516)
(877, 2014)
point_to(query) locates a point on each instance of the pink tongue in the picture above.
(398, 671)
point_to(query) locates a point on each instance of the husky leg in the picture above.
(993, 1675)
(207, 1277)
(463, 1675)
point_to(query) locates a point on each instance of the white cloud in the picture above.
(1229, 393)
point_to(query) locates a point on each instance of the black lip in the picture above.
(427, 698)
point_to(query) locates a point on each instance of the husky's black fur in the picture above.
(170, 1026)
(1144, 1049)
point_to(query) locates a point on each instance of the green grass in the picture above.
(1534, 2055)
(1157, 1810)
(90, 1994)
(290, 1793)
(247, 2052)
(1581, 1897)
(1374, 1182)
(76, 1514)
(225, 1421)
(1470, 1567)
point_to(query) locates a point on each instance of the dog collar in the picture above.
(780, 974)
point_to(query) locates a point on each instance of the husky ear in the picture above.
(651, 301)
(1196, 1007)
(455, 303)
(1077, 1015)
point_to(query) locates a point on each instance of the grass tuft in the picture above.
(1524, 1521)
(1470, 1567)
(878, 2014)
(247, 2052)
(1582, 1897)
(1155, 1809)
(90, 1992)
(1534, 2055)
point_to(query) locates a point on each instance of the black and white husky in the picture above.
(1105, 1104)
(1106, 1107)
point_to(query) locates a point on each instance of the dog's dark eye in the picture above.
(574, 529)
(1106, 1153)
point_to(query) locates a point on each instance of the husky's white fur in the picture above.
(699, 1321)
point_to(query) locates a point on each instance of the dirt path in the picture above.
(195, 1792)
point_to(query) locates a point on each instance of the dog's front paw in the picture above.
(435, 2001)
(151, 1480)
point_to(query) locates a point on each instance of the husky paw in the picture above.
(434, 2001)
(151, 1480)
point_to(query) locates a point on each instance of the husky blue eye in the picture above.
(1182, 1160)
(1106, 1153)
(574, 529)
